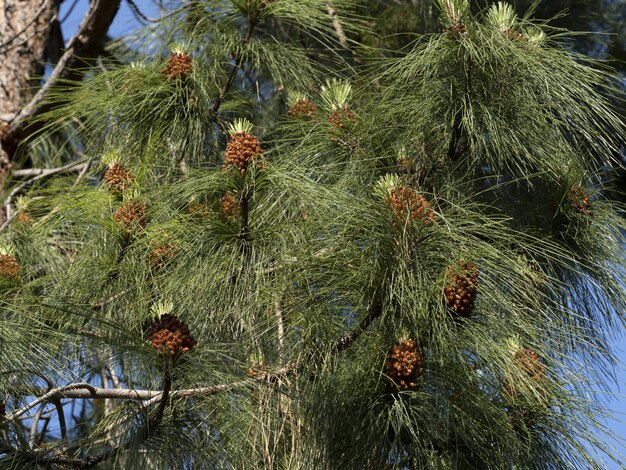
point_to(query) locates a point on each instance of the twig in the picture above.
(38, 175)
(374, 312)
(33, 426)
(238, 61)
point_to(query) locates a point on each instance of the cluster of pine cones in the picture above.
(242, 150)
(342, 117)
(303, 108)
(455, 29)
(405, 202)
(132, 215)
(9, 268)
(118, 178)
(178, 66)
(405, 365)
(169, 335)
(198, 209)
(580, 200)
(229, 207)
(461, 288)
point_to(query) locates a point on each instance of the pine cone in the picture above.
(530, 362)
(242, 150)
(132, 215)
(455, 29)
(162, 255)
(256, 371)
(9, 268)
(3, 409)
(229, 207)
(304, 108)
(512, 34)
(118, 178)
(197, 209)
(342, 117)
(405, 202)
(461, 287)
(404, 365)
(24, 217)
(169, 335)
(580, 200)
(178, 67)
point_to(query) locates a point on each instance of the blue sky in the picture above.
(125, 21)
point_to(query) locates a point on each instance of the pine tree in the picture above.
(281, 253)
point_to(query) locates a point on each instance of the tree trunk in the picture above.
(25, 26)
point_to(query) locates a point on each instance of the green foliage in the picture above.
(297, 275)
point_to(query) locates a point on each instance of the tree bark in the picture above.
(24, 30)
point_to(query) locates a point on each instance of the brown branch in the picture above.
(374, 312)
(252, 21)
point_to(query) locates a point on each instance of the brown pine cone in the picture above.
(197, 209)
(461, 288)
(580, 200)
(162, 255)
(178, 67)
(304, 108)
(405, 202)
(342, 117)
(24, 217)
(132, 215)
(9, 268)
(530, 362)
(118, 178)
(229, 207)
(404, 365)
(242, 150)
(169, 335)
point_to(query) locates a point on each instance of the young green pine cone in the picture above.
(169, 335)
(404, 365)
(461, 288)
